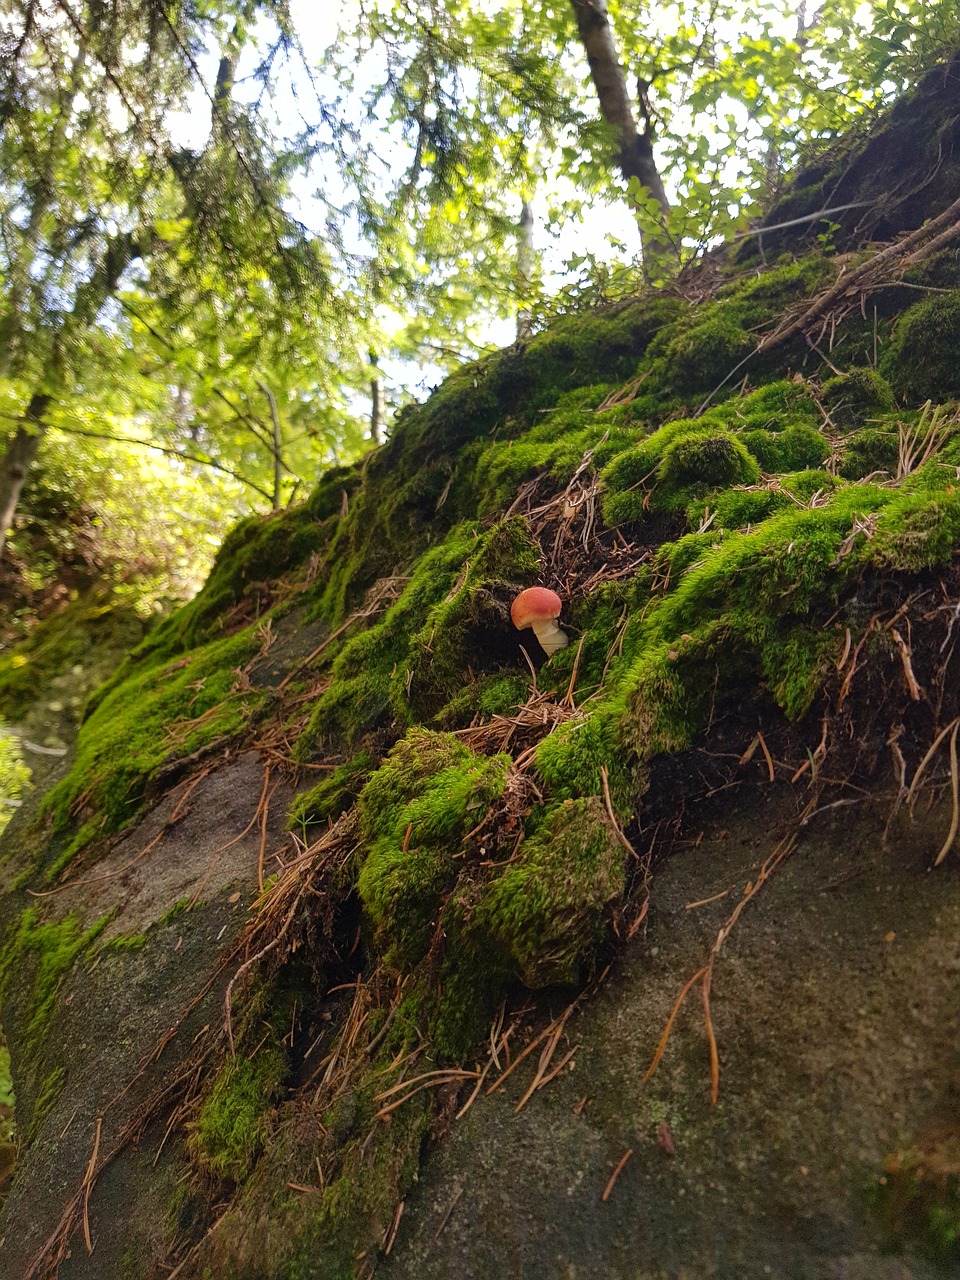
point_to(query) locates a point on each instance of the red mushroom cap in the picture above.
(536, 604)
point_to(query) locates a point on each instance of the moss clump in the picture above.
(708, 345)
(769, 408)
(334, 795)
(572, 759)
(854, 397)
(322, 1232)
(179, 908)
(172, 709)
(233, 1122)
(709, 351)
(484, 697)
(921, 361)
(705, 459)
(414, 811)
(867, 452)
(579, 351)
(547, 911)
(361, 697)
(671, 467)
(804, 486)
(470, 629)
(733, 509)
(797, 448)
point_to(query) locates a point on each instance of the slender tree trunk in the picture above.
(376, 400)
(18, 459)
(278, 464)
(635, 151)
(526, 265)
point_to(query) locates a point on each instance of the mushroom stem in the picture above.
(551, 637)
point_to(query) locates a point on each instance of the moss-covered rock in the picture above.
(547, 909)
(852, 398)
(414, 812)
(921, 361)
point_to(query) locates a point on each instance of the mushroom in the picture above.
(539, 608)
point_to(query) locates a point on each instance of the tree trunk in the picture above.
(635, 154)
(526, 263)
(376, 401)
(18, 459)
(278, 463)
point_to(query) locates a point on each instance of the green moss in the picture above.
(921, 361)
(48, 951)
(547, 910)
(712, 342)
(14, 775)
(484, 697)
(333, 795)
(232, 1124)
(361, 696)
(671, 467)
(47, 1098)
(796, 448)
(707, 352)
(768, 408)
(125, 942)
(352, 1214)
(166, 711)
(414, 811)
(572, 759)
(459, 636)
(92, 624)
(255, 555)
(872, 450)
(602, 347)
(804, 486)
(854, 397)
(179, 908)
(734, 509)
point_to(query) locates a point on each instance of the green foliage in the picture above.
(14, 775)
